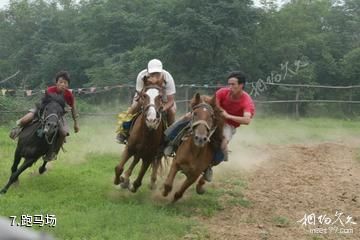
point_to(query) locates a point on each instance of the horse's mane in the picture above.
(217, 137)
(50, 98)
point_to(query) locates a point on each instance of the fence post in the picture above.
(186, 99)
(350, 99)
(297, 103)
(130, 95)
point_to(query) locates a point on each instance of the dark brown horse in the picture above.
(37, 138)
(145, 140)
(197, 149)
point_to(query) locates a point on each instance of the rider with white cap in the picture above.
(152, 74)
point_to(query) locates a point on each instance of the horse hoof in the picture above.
(2, 192)
(200, 190)
(132, 188)
(177, 196)
(116, 180)
(122, 179)
(167, 189)
(175, 199)
(124, 183)
(42, 170)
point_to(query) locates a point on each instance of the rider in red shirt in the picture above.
(237, 108)
(68, 96)
(235, 105)
(62, 81)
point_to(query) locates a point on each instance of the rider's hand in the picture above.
(162, 110)
(225, 114)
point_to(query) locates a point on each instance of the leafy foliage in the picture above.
(108, 42)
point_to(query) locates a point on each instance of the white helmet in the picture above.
(154, 65)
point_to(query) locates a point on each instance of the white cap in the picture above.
(154, 65)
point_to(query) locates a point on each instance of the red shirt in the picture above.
(68, 96)
(235, 107)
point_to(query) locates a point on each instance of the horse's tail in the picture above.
(162, 163)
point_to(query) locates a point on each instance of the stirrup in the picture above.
(169, 151)
(121, 138)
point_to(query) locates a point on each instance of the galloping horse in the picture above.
(197, 149)
(37, 138)
(145, 140)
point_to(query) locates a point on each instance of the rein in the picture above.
(43, 120)
(203, 122)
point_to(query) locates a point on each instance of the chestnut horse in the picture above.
(197, 149)
(145, 140)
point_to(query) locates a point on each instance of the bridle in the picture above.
(194, 124)
(43, 120)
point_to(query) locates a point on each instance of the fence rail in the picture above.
(314, 86)
(187, 89)
(308, 101)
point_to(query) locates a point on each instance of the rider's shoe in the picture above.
(121, 138)
(169, 150)
(14, 133)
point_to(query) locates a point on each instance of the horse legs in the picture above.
(187, 183)
(120, 167)
(42, 169)
(126, 179)
(170, 178)
(155, 166)
(137, 183)
(14, 176)
(199, 186)
(17, 158)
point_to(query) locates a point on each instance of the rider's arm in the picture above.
(170, 102)
(170, 90)
(218, 104)
(246, 119)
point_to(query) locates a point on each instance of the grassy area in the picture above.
(305, 130)
(78, 186)
(78, 189)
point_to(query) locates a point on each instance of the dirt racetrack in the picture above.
(287, 182)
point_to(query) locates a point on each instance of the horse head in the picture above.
(151, 100)
(202, 119)
(51, 110)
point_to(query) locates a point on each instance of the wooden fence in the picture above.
(185, 91)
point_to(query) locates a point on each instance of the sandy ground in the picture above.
(287, 182)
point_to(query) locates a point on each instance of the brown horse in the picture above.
(197, 149)
(145, 140)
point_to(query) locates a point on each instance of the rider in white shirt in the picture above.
(153, 73)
